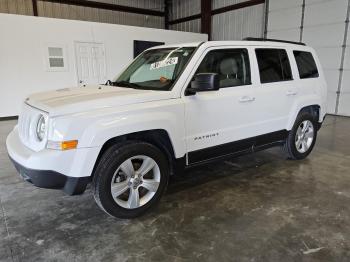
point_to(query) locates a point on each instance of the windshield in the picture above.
(155, 69)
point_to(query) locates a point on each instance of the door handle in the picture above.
(244, 99)
(291, 93)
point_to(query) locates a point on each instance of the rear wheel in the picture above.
(130, 178)
(302, 137)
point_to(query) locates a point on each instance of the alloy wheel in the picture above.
(135, 182)
(304, 136)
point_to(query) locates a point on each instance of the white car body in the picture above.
(95, 114)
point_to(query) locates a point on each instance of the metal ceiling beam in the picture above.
(107, 6)
(167, 3)
(35, 7)
(206, 17)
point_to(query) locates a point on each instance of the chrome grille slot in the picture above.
(22, 126)
(27, 125)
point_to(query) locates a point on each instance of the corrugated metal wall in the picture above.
(232, 25)
(190, 26)
(21, 7)
(180, 9)
(64, 11)
(223, 3)
(237, 24)
(324, 26)
(228, 26)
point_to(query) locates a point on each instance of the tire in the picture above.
(295, 149)
(120, 168)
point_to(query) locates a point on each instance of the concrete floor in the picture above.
(254, 208)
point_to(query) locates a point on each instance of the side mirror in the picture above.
(204, 82)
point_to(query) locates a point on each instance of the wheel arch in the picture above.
(157, 137)
(313, 109)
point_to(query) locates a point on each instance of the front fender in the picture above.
(98, 134)
(94, 128)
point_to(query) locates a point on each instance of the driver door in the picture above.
(221, 122)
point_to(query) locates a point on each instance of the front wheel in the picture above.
(302, 137)
(130, 178)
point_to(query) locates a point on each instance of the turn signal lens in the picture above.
(62, 145)
(66, 145)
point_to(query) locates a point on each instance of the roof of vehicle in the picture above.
(272, 43)
(193, 44)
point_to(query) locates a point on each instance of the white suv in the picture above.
(173, 107)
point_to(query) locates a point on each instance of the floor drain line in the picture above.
(6, 226)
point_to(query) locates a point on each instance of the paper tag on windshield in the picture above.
(167, 62)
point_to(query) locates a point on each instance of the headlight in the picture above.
(41, 128)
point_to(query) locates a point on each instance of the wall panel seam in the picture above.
(341, 68)
(302, 21)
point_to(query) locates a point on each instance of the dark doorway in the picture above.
(140, 46)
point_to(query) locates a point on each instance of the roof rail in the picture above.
(272, 40)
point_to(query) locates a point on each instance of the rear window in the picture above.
(273, 65)
(306, 64)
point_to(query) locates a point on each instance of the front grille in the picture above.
(24, 121)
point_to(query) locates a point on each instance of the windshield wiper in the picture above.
(108, 83)
(124, 84)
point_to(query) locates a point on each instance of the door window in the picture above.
(232, 66)
(273, 65)
(306, 64)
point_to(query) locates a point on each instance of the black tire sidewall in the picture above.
(302, 117)
(109, 163)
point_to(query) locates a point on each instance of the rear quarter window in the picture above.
(306, 64)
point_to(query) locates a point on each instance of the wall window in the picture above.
(306, 64)
(55, 59)
(232, 65)
(273, 64)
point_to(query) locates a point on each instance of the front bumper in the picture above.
(52, 179)
(69, 170)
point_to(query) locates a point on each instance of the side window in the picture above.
(232, 65)
(273, 65)
(306, 64)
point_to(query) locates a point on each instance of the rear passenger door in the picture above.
(275, 93)
(307, 73)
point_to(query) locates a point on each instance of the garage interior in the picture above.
(259, 207)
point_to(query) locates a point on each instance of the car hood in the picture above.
(80, 99)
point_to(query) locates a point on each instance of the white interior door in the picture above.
(91, 63)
